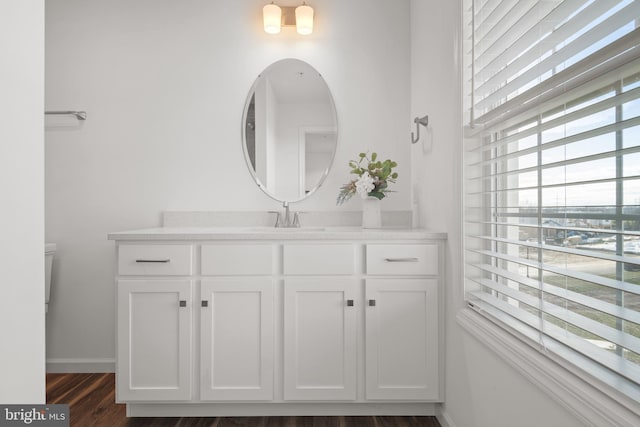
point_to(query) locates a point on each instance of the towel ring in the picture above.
(424, 121)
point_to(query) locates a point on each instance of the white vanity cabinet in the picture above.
(320, 339)
(154, 340)
(319, 321)
(402, 309)
(280, 323)
(154, 329)
(401, 354)
(236, 322)
(236, 332)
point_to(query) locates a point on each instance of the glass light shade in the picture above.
(272, 18)
(304, 19)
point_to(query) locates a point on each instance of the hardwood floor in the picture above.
(91, 400)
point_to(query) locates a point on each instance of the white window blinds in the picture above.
(552, 178)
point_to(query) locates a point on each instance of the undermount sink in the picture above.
(300, 228)
(287, 229)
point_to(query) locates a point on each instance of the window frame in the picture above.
(594, 402)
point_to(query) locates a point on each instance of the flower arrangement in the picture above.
(373, 178)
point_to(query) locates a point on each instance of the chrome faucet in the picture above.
(287, 222)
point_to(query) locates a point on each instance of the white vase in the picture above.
(371, 216)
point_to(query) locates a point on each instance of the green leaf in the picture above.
(381, 172)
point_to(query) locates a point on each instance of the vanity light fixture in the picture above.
(304, 19)
(274, 17)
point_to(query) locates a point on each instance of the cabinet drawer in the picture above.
(246, 260)
(154, 260)
(402, 259)
(319, 259)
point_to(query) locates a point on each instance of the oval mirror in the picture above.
(289, 130)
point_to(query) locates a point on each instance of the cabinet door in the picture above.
(319, 339)
(402, 339)
(154, 340)
(236, 360)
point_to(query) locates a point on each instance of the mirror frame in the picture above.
(243, 125)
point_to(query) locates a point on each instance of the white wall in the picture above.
(22, 331)
(481, 390)
(164, 84)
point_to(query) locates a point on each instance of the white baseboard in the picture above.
(444, 419)
(250, 409)
(76, 366)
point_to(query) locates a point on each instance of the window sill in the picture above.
(577, 393)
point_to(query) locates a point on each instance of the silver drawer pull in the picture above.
(154, 260)
(401, 259)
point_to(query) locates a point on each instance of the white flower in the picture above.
(364, 185)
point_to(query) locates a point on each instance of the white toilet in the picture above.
(49, 251)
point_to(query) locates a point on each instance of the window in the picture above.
(552, 178)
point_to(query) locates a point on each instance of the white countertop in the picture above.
(272, 233)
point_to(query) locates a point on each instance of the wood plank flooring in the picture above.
(91, 399)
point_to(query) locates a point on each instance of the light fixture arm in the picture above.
(424, 121)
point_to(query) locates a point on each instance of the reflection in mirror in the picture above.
(289, 130)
